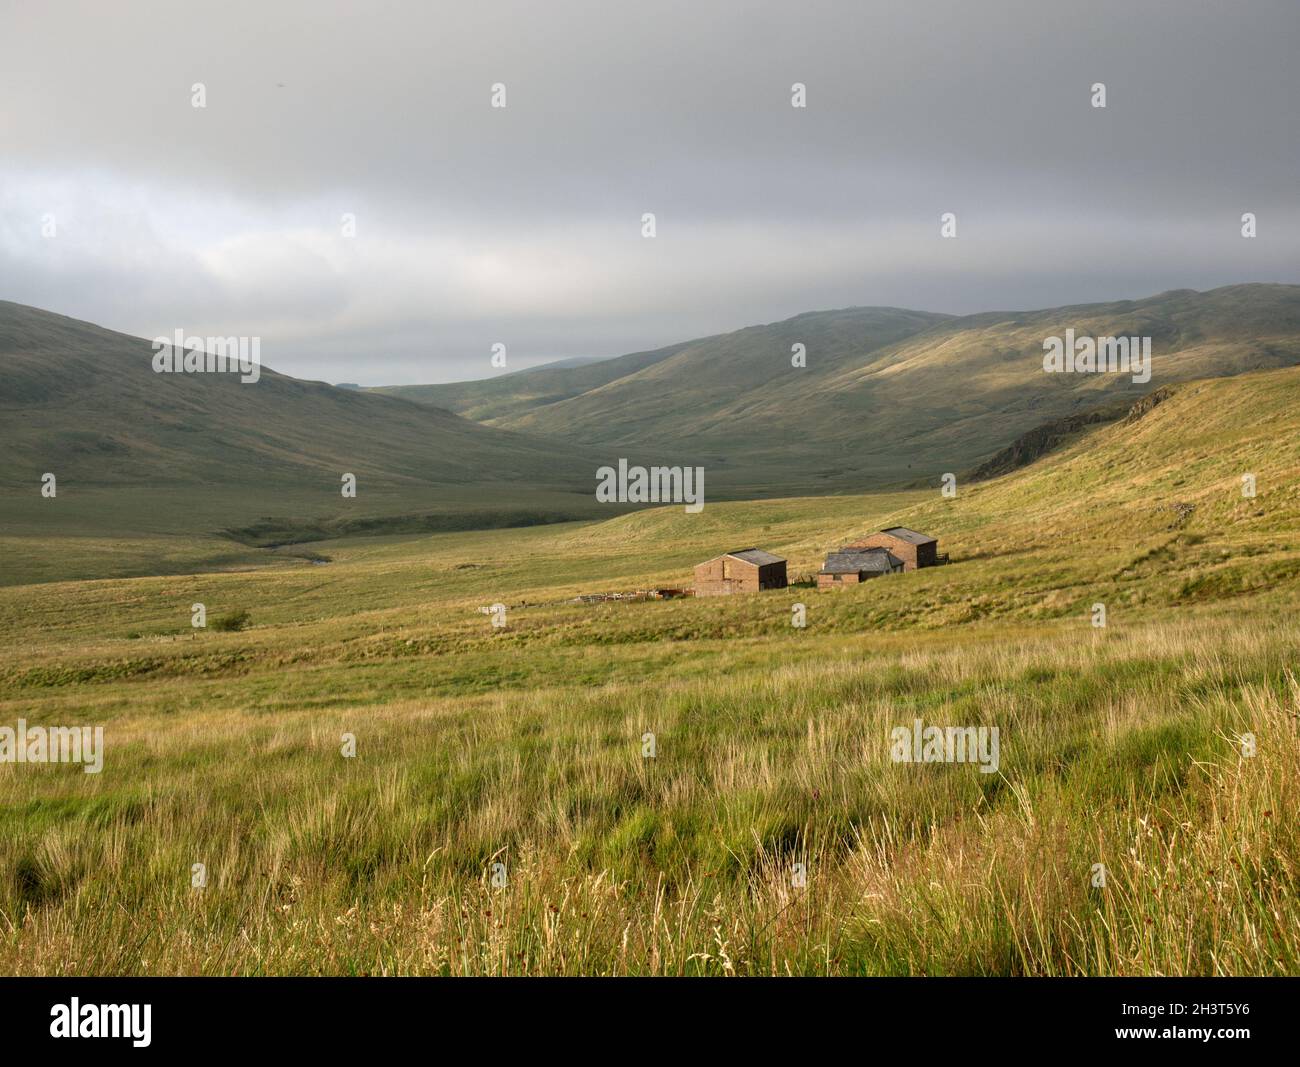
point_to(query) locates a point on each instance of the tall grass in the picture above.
(1120, 750)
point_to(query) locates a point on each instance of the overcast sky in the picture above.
(522, 225)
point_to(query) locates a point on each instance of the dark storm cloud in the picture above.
(523, 225)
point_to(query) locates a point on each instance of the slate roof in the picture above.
(910, 536)
(756, 556)
(853, 561)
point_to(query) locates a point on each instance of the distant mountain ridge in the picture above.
(85, 402)
(888, 396)
(509, 395)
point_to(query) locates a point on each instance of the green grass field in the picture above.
(523, 746)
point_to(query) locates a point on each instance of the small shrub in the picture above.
(235, 620)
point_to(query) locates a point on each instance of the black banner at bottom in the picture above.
(151, 1015)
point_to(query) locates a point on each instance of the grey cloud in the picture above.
(477, 224)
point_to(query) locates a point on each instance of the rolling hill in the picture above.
(162, 473)
(1120, 745)
(141, 456)
(85, 402)
(508, 396)
(888, 397)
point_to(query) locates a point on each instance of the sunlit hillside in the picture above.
(887, 396)
(524, 745)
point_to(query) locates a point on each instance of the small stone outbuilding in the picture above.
(914, 549)
(854, 566)
(747, 570)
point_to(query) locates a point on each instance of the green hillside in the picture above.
(510, 395)
(85, 402)
(142, 459)
(168, 473)
(887, 397)
(524, 745)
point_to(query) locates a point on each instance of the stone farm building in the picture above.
(851, 566)
(914, 549)
(746, 570)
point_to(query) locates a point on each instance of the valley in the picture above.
(523, 745)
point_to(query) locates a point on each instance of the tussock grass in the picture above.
(1116, 749)
(522, 746)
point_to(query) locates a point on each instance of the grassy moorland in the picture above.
(152, 468)
(523, 745)
(887, 396)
